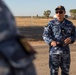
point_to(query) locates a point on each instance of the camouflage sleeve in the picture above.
(47, 34)
(72, 37)
(7, 23)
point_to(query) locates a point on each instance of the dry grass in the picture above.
(34, 21)
(73, 21)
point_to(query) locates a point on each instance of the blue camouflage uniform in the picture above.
(59, 56)
(13, 59)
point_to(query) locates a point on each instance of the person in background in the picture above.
(58, 34)
(54, 16)
(14, 60)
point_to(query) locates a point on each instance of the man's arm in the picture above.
(71, 39)
(47, 34)
(8, 27)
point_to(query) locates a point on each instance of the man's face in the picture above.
(60, 14)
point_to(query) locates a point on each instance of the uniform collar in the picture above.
(57, 21)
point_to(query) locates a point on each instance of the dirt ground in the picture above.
(41, 61)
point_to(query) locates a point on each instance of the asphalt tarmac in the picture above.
(42, 59)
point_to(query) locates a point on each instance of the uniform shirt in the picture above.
(59, 31)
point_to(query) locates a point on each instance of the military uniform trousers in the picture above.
(59, 57)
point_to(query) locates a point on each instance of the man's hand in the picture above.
(67, 41)
(53, 43)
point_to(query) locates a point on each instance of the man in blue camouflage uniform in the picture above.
(59, 33)
(13, 59)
